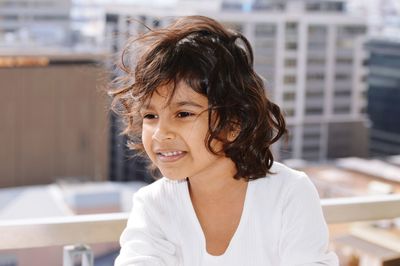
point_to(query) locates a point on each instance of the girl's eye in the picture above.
(149, 116)
(184, 114)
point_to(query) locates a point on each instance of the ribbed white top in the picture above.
(281, 225)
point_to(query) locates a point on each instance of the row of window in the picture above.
(35, 17)
(291, 79)
(318, 111)
(292, 62)
(292, 28)
(30, 4)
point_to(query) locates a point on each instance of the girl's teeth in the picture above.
(173, 153)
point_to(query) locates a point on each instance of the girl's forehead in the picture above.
(180, 91)
(176, 94)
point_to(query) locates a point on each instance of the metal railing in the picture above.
(101, 228)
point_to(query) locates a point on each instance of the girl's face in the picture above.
(174, 134)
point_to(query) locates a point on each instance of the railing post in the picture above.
(73, 251)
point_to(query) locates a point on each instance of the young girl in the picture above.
(192, 101)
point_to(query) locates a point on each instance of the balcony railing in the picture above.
(102, 228)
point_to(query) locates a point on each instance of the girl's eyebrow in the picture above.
(187, 103)
(175, 104)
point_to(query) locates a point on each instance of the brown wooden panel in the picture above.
(77, 125)
(101, 134)
(54, 124)
(36, 123)
(72, 144)
(9, 89)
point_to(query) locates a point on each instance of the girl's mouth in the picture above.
(170, 156)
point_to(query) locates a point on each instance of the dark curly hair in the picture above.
(215, 62)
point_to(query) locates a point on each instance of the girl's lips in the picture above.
(170, 156)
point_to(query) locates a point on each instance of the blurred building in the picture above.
(352, 176)
(384, 96)
(372, 243)
(54, 118)
(311, 54)
(256, 5)
(50, 24)
(383, 15)
(34, 22)
(123, 164)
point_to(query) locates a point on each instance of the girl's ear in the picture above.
(232, 136)
(234, 132)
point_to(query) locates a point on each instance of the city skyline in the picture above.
(63, 154)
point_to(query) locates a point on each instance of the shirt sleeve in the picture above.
(142, 241)
(304, 233)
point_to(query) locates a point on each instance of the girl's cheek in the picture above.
(146, 138)
(146, 131)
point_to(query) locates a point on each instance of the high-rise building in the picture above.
(312, 59)
(384, 96)
(313, 62)
(31, 22)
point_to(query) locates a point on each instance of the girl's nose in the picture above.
(163, 133)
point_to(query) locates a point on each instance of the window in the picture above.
(364, 78)
(264, 30)
(351, 30)
(9, 17)
(314, 94)
(317, 30)
(51, 17)
(344, 61)
(311, 129)
(13, 3)
(342, 76)
(291, 25)
(314, 111)
(289, 96)
(313, 6)
(312, 136)
(345, 43)
(315, 45)
(264, 44)
(289, 80)
(291, 46)
(289, 112)
(341, 109)
(291, 28)
(342, 94)
(234, 26)
(315, 76)
(290, 62)
(316, 61)
(311, 149)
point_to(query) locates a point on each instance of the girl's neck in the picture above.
(216, 185)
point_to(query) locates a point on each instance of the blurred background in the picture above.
(332, 65)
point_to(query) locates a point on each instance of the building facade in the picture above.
(384, 96)
(34, 22)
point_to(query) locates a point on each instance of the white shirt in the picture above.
(281, 225)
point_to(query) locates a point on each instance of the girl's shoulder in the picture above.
(284, 175)
(283, 182)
